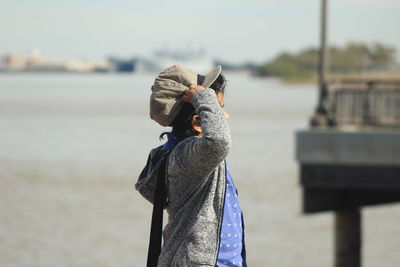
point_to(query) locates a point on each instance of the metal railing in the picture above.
(363, 102)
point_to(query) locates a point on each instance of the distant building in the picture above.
(194, 59)
(36, 62)
(85, 66)
(21, 62)
(122, 65)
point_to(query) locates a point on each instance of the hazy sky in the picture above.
(231, 30)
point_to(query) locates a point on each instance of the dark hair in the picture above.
(182, 124)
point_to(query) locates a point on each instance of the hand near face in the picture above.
(188, 94)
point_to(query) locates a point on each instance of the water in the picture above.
(71, 147)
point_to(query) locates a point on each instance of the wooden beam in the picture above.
(348, 238)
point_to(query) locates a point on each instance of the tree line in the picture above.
(353, 58)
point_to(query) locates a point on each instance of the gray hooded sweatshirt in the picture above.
(196, 183)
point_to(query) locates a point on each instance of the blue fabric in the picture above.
(232, 252)
(172, 141)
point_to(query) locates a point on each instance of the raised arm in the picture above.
(198, 156)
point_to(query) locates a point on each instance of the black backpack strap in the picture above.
(157, 218)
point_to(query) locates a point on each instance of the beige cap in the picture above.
(167, 91)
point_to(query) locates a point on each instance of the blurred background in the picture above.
(75, 131)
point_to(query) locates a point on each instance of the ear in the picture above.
(196, 124)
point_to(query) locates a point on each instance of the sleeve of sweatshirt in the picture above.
(200, 155)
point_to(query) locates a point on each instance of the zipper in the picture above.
(220, 220)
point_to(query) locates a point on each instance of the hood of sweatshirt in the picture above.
(147, 181)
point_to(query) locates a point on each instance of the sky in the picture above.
(234, 31)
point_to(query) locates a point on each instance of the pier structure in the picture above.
(354, 160)
(350, 156)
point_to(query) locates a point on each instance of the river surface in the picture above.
(72, 146)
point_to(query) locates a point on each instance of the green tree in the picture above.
(352, 58)
(381, 54)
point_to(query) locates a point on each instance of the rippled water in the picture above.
(71, 147)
